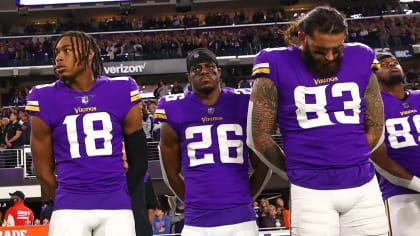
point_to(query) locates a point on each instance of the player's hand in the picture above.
(9, 144)
(124, 157)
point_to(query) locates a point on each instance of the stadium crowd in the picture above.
(377, 32)
(187, 20)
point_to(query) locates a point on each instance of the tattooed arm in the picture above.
(374, 114)
(262, 114)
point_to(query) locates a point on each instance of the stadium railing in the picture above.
(11, 158)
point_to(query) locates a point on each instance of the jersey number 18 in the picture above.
(91, 134)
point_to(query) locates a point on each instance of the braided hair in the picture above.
(84, 43)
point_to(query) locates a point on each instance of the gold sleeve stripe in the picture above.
(261, 70)
(32, 108)
(375, 66)
(135, 98)
(389, 217)
(160, 116)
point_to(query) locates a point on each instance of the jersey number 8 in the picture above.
(408, 139)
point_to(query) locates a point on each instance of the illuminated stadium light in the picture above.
(356, 16)
(56, 2)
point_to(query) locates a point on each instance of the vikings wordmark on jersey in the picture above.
(87, 140)
(402, 133)
(214, 155)
(321, 119)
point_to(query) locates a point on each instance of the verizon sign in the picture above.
(125, 69)
(149, 67)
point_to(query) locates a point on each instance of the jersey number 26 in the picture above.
(206, 142)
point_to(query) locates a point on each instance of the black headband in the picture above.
(200, 55)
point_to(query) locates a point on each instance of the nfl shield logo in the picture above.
(85, 99)
(196, 55)
(406, 105)
(210, 110)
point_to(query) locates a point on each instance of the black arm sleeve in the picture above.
(135, 148)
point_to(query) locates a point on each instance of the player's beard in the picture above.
(393, 80)
(320, 69)
(207, 90)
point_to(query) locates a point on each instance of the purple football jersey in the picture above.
(321, 119)
(402, 138)
(87, 140)
(214, 155)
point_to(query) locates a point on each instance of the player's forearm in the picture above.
(177, 184)
(388, 167)
(48, 183)
(374, 113)
(258, 179)
(262, 113)
(393, 171)
(266, 148)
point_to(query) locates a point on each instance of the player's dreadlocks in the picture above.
(326, 20)
(83, 43)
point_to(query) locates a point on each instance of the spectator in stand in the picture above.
(269, 220)
(279, 217)
(4, 55)
(383, 35)
(176, 216)
(18, 99)
(177, 88)
(256, 206)
(18, 214)
(147, 122)
(13, 137)
(37, 222)
(161, 222)
(155, 123)
(395, 33)
(163, 89)
(4, 123)
(46, 210)
(280, 203)
(264, 204)
(25, 122)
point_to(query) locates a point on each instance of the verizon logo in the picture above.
(124, 69)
